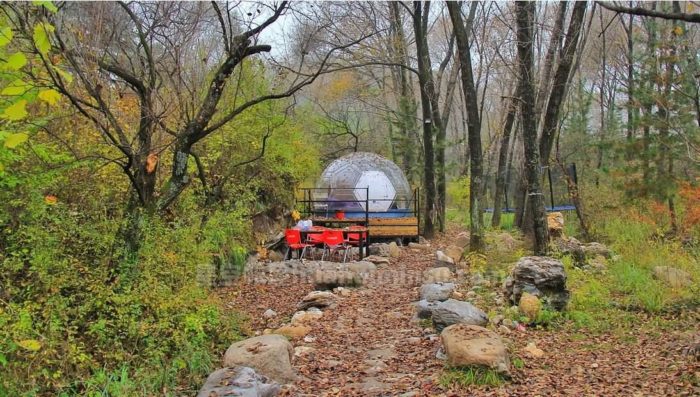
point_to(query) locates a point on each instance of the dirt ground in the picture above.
(368, 345)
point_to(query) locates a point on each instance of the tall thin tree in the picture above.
(525, 18)
(476, 227)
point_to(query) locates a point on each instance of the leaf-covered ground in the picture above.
(369, 345)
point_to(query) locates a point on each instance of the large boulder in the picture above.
(672, 276)
(238, 381)
(424, 309)
(436, 291)
(270, 355)
(594, 249)
(471, 345)
(318, 299)
(438, 275)
(453, 311)
(379, 249)
(329, 279)
(555, 224)
(572, 247)
(541, 276)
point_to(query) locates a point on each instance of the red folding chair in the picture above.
(334, 241)
(353, 239)
(316, 239)
(293, 239)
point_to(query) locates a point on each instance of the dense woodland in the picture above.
(143, 142)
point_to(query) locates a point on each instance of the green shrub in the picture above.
(465, 377)
(458, 193)
(71, 328)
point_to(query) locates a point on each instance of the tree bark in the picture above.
(420, 31)
(503, 158)
(525, 17)
(476, 217)
(560, 83)
(406, 101)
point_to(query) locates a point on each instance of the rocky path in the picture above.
(368, 344)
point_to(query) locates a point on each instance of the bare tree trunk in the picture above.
(550, 59)
(502, 159)
(602, 97)
(560, 83)
(631, 111)
(476, 217)
(420, 29)
(406, 103)
(525, 17)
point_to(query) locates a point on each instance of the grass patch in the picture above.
(518, 362)
(470, 376)
(461, 217)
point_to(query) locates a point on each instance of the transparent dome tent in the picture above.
(363, 184)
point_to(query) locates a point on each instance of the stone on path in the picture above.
(270, 355)
(394, 250)
(540, 276)
(303, 350)
(438, 274)
(471, 345)
(306, 316)
(419, 246)
(462, 240)
(318, 299)
(377, 260)
(424, 309)
(457, 312)
(293, 331)
(238, 381)
(672, 276)
(363, 267)
(329, 279)
(379, 249)
(437, 291)
(269, 313)
(442, 260)
(533, 351)
(454, 252)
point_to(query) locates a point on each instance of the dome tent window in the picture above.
(360, 180)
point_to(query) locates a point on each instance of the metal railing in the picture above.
(322, 204)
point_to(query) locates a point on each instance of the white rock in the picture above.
(269, 313)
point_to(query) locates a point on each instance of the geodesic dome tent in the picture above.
(348, 181)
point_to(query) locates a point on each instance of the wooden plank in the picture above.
(385, 231)
(394, 227)
(393, 221)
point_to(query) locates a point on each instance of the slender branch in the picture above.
(676, 16)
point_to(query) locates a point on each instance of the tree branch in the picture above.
(676, 16)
